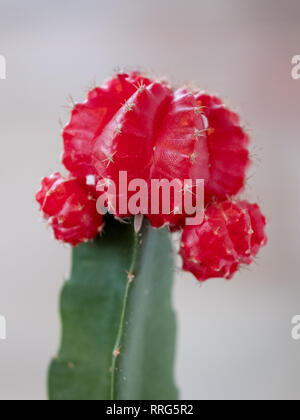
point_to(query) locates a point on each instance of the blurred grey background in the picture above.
(234, 339)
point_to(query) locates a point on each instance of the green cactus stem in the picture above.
(118, 325)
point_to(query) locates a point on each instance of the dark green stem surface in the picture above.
(118, 325)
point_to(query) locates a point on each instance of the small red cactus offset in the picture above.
(70, 209)
(152, 132)
(231, 234)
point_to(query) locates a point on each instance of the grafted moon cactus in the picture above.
(118, 323)
(70, 207)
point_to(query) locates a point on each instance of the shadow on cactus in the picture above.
(118, 324)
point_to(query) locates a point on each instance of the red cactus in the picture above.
(143, 127)
(231, 235)
(70, 208)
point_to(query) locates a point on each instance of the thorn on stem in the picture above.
(130, 277)
(117, 352)
(138, 222)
